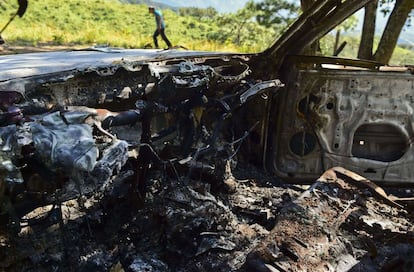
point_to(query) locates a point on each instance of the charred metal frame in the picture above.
(188, 113)
(354, 117)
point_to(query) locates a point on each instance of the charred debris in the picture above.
(140, 160)
(171, 116)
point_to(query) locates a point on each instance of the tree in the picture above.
(389, 38)
(396, 21)
(245, 15)
(314, 47)
(349, 24)
(271, 13)
(233, 25)
(250, 22)
(306, 4)
(368, 31)
(313, 24)
(198, 12)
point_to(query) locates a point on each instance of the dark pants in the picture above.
(158, 32)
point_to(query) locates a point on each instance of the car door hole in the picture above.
(380, 142)
(302, 143)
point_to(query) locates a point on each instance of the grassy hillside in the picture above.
(152, 3)
(401, 56)
(119, 24)
(110, 22)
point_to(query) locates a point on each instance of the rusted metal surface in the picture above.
(359, 119)
(140, 160)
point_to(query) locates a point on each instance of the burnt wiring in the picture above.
(165, 163)
(240, 141)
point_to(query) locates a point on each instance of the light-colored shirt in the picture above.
(159, 19)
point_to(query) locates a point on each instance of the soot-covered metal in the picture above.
(170, 160)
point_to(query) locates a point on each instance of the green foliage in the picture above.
(275, 12)
(386, 6)
(401, 55)
(349, 51)
(349, 24)
(198, 12)
(243, 30)
(117, 23)
(120, 24)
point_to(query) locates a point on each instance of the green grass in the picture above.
(96, 22)
(400, 56)
(109, 22)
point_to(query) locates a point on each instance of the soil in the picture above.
(179, 228)
(7, 49)
(259, 225)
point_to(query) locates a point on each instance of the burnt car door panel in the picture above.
(355, 117)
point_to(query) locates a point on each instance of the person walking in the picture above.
(159, 20)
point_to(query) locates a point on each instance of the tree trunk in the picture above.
(368, 31)
(337, 38)
(392, 30)
(306, 4)
(239, 29)
(313, 48)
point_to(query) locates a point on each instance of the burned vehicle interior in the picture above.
(157, 145)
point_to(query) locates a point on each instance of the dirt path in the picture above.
(19, 49)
